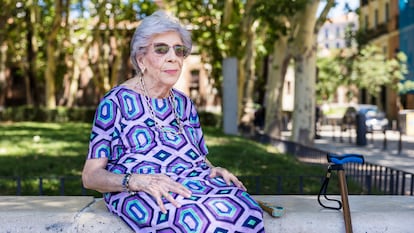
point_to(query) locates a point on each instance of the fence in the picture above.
(372, 177)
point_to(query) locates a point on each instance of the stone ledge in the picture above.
(303, 214)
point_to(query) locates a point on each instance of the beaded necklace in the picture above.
(162, 128)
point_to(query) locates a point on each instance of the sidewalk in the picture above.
(376, 151)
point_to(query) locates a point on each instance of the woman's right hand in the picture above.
(158, 186)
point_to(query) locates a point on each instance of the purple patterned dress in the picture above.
(124, 132)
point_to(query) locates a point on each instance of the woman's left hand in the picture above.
(227, 176)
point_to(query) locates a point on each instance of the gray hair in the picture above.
(157, 23)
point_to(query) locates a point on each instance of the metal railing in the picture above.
(19, 185)
(382, 179)
(375, 178)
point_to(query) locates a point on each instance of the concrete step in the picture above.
(302, 214)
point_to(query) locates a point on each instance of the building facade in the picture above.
(332, 36)
(388, 25)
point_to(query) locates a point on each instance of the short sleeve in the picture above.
(195, 123)
(103, 128)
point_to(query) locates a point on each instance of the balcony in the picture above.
(364, 36)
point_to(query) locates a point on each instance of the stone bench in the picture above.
(303, 214)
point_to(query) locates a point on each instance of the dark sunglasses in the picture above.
(179, 50)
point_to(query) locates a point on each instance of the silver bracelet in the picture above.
(125, 184)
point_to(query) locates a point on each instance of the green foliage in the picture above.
(375, 70)
(369, 69)
(210, 119)
(329, 79)
(397, 67)
(405, 86)
(217, 30)
(273, 16)
(215, 39)
(41, 114)
(26, 25)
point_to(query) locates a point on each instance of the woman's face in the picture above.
(162, 64)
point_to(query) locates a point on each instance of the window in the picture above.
(366, 22)
(376, 18)
(326, 33)
(387, 12)
(289, 91)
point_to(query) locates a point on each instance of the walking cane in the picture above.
(336, 163)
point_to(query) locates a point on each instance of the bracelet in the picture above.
(125, 184)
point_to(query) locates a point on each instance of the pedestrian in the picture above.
(147, 152)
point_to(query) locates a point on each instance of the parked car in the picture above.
(375, 119)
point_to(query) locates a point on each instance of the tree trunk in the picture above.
(304, 53)
(250, 77)
(32, 50)
(3, 73)
(50, 89)
(248, 65)
(274, 94)
(116, 42)
(74, 81)
(70, 60)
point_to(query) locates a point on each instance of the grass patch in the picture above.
(51, 156)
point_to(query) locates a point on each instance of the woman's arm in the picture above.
(95, 176)
(227, 176)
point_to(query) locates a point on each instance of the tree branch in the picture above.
(323, 16)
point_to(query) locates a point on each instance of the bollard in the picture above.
(384, 144)
(361, 130)
(399, 142)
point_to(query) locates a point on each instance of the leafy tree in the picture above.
(225, 29)
(374, 70)
(53, 43)
(328, 80)
(296, 40)
(277, 32)
(216, 30)
(104, 32)
(368, 69)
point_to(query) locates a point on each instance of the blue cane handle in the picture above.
(345, 158)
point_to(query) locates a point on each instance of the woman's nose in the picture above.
(171, 56)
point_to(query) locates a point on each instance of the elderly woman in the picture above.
(147, 152)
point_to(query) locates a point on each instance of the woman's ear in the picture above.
(141, 65)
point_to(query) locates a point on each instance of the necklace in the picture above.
(162, 128)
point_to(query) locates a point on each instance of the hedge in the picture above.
(78, 114)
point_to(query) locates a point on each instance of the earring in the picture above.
(142, 69)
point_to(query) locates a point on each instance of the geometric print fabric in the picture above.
(124, 132)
